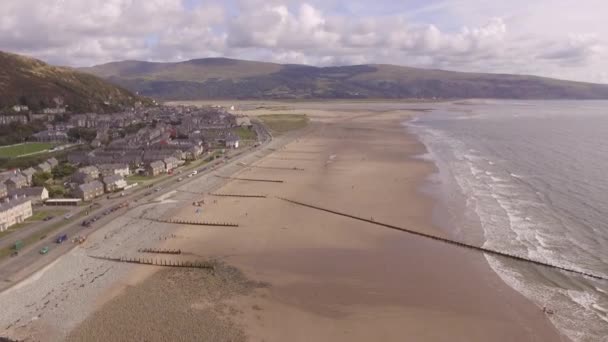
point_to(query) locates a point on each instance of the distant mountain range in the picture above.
(223, 78)
(28, 81)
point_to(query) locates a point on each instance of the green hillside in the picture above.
(31, 82)
(222, 78)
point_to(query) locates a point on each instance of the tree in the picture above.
(57, 191)
(63, 170)
(17, 132)
(81, 133)
(40, 178)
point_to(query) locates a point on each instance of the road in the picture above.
(34, 227)
(29, 260)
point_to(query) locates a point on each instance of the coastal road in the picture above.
(29, 260)
(34, 227)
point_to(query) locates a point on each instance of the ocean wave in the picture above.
(517, 214)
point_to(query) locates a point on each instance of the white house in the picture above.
(232, 142)
(13, 211)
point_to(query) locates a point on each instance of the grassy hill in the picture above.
(31, 82)
(223, 78)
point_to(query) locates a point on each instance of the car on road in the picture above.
(18, 245)
(180, 179)
(62, 238)
(44, 250)
(68, 216)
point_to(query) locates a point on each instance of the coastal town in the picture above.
(92, 155)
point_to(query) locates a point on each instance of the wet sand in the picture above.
(328, 278)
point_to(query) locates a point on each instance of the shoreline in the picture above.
(337, 275)
(431, 187)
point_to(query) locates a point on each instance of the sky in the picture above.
(565, 39)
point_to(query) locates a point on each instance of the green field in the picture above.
(40, 215)
(14, 151)
(138, 179)
(281, 123)
(246, 133)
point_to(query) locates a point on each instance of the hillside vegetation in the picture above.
(28, 81)
(222, 78)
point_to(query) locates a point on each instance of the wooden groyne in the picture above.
(190, 192)
(252, 179)
(160, 251)
(238, 195)
(293, 158)
(199, 223)
(298, 151)
(454, 242)
(273, 167)
(160, 262)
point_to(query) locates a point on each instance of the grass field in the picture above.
(246, 133)
(281, 123)
(40, 215)
(14, 151)
(138, 179)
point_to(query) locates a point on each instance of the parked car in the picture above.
(48, 218)
(44, 250)
(62, 238)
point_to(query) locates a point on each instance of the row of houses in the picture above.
(158, 167)
(137, 157)
(17, 179)
(37, 194)
(95, 188)
(94, 181)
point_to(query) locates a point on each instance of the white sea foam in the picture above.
(515, 218)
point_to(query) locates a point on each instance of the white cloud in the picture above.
(579, 49)
(549, 37)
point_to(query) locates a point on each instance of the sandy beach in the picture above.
(294, 273)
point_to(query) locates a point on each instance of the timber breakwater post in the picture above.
(160, 251)
(252, 179)
(452, 242)
(295, 168)
(238, 195)
(198, 223)
(160, 262)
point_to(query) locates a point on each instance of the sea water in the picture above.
(530, 178)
